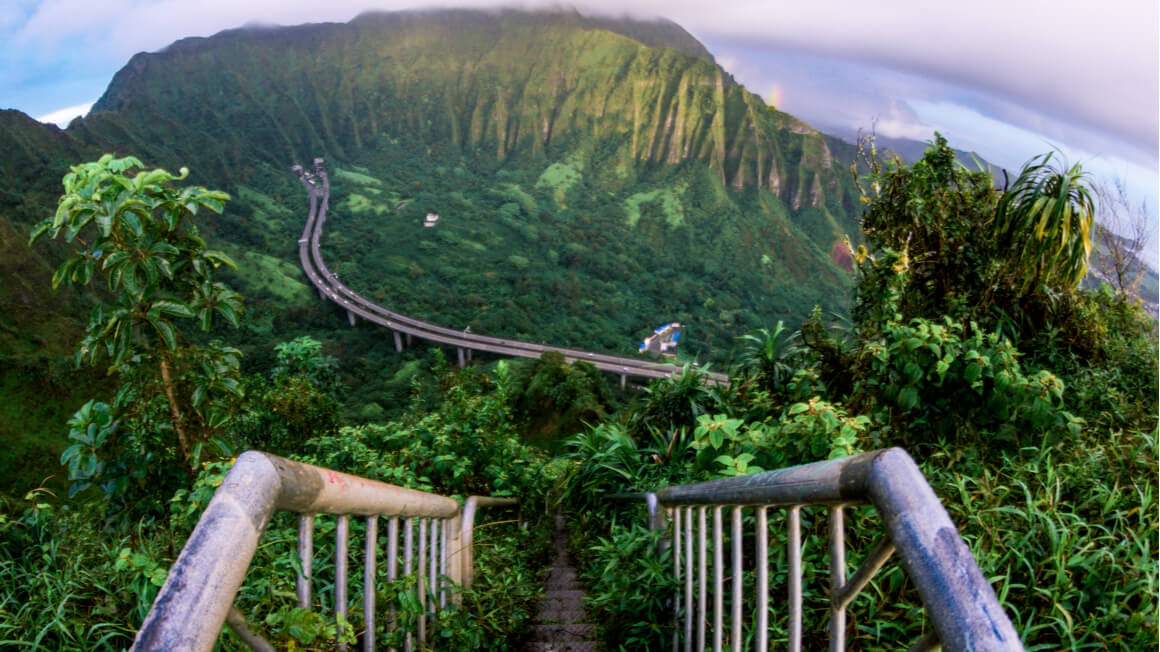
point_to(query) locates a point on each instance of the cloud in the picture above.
(1086, 62)
(1052, 64)
(62, 117)
(1003, 78)
(1091, 63)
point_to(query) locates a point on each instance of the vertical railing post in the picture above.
(408, 565)
(306, 559)
(677, 575)
(445, 536)
(369, 565)
(738, 575)
(794, 525)
(421, 584)
(433, 567)
(762, 552)
(702, 575)
(341, 536)
(392, 565)
(456, 555)
(718, 581)
(837, 578)
(688, 579)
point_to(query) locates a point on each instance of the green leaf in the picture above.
(972, 372)
(151, 274)
(908, 398)
(157, 577)
(174, 308)
(132, 223)
(229, 313)
(798, 408)
(64, 272)
(130, 280)
(912, 372)
(39, 231)
(716, 437)
(114, 258)
(151, 178)
(69, 456)
(165, 331)
(220, 258)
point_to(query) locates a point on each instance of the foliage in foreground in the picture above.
(1031, 408)
(83, 574)
(69, 583)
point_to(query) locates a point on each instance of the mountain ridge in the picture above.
(577, 78)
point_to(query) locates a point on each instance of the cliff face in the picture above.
(598, 176)
(509, 83)
(615, 155)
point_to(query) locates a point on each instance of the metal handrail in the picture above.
(960, 602)
(198, 594)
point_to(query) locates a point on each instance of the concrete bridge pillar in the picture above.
(462, 358)
(350, 317)
(408, 340)
(623, 381)
(398, 342)
(469, 355)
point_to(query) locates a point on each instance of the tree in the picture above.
(134, 228)
(1046, 217)
(927, 252)
(1123, 233)
(766, 356)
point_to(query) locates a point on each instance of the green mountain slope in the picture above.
(595, 177)
(511, 83)
(585, 127)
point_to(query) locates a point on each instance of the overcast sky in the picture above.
(1008, 79)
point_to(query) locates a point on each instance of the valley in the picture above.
(505, 204)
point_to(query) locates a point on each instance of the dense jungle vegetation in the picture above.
(593, 179)
(1030, 404)
(609, 169)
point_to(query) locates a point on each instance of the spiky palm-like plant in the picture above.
(1046, 217)
(766, 355)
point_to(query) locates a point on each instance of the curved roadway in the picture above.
(328, 285)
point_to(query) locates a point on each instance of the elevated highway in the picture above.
(317, 184)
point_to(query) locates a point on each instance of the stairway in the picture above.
(559, 625)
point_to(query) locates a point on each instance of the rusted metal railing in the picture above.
(959, 601)
(197, 597)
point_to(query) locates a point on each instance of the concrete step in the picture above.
(563, 594)
(573, 646)
(562, 573)
(560, 605)
(560, 615)
(560, 625)
(570, 585)
(563, 633)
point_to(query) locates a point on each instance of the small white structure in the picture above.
(430, 220)
(663, 341)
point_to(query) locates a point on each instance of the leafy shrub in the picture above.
(552, 399)
(468, 446)
(674, 403)
(630, 588)
(1070, 530)
(67, 585)
(930, 380)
